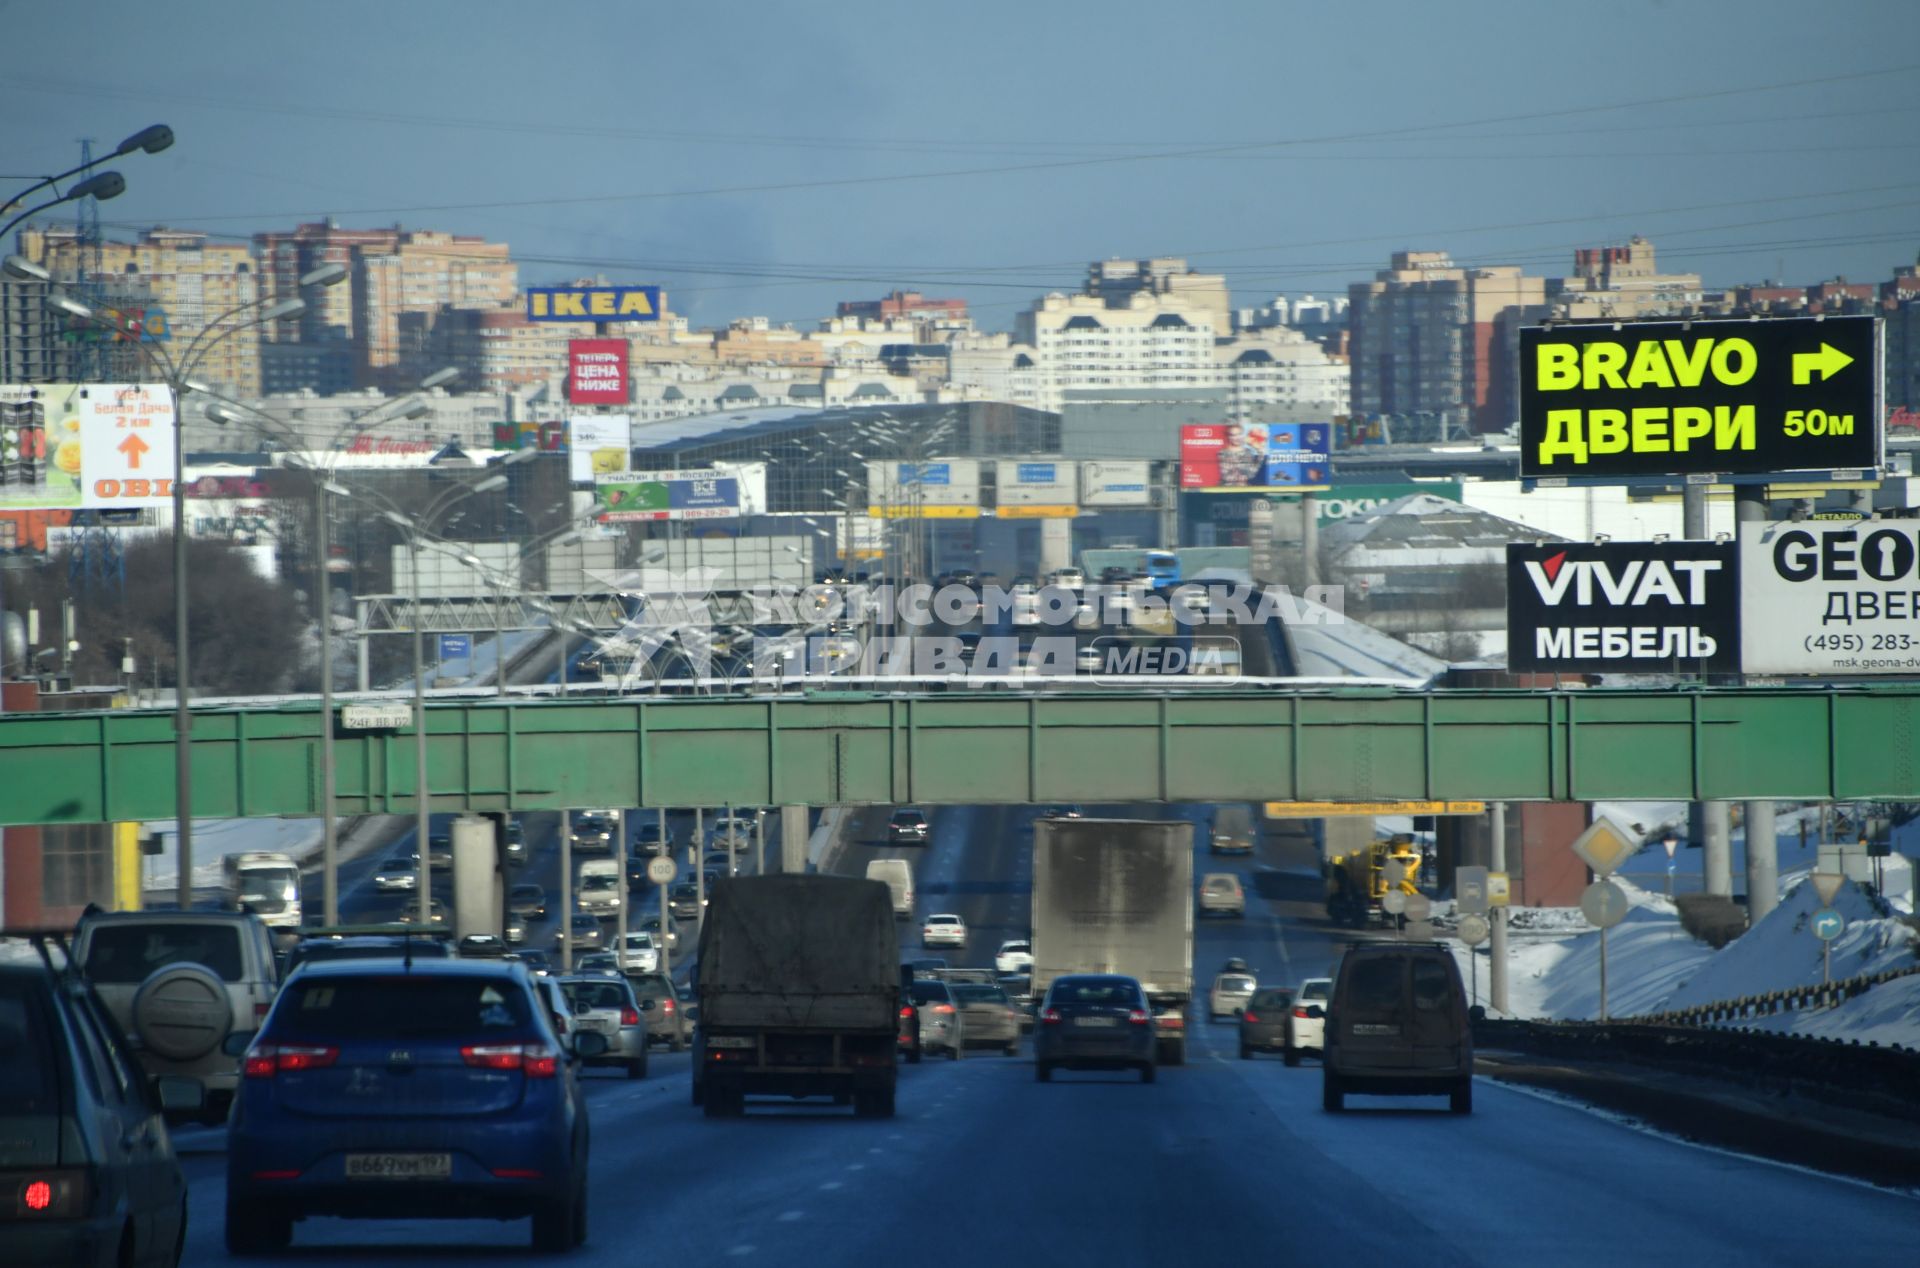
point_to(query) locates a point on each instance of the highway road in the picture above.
(1221, 1161)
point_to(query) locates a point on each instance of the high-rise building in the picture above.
(192, 281)
(421, 273)
(905, 304)
(1624, 282)
(1430, 337)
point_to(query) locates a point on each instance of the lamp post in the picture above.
(226, 411)
(499, 586)
(414, 528)
(152, 139)
(178, 372)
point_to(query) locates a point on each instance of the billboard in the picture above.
(597, 371)
(1036, 490)
(598, 445)
(82, 446)
(1826, 597)
(1344, 501)
(1623, 607)
(1115, 484)
(1648, 399)
(666, 495)
(941, 488)
(593, 303)
(1278, 457)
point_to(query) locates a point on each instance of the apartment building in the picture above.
(1624, 282)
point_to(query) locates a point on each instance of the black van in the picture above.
(1398, 1025)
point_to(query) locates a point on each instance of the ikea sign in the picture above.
(593, 303)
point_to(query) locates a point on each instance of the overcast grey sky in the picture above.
(761, 158)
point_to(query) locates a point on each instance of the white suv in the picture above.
(181, 982)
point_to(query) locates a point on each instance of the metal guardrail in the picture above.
(1786, 1000)
(1888, 1075)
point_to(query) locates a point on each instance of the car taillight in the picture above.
(943, 1008)
(265, 1061)
(666, 1005)
(52, 1195)
(629, 1017)
(1051, 1016)
(1249, 1016)
(906, 1010)
(1299, 1012)
(534, 1060)
(260, 1013)
(1139, 1016)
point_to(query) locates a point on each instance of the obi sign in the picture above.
(86, 445)
(593, 303)
(1653, 399)
(597, 371)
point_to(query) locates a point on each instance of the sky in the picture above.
(772, 159)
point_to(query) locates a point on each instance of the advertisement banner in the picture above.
(86, 445)
(1647, 399)
(1114, 484)
(1036, 490)
(597, 371)
(1344, 501)
(941, 488)
(666, 495)
(593, 303)
(1827, 597)
(1238, 456)
(1623, 607)
(598, 445)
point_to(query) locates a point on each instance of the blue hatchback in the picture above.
(403, 1089)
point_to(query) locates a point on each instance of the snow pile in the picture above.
(1781, 950)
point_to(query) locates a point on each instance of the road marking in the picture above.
(856, 1166)
(1280, 941)
(830, 1186)
(741, 1250)
(788, 1217)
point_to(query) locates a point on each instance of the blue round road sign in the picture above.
(1828, 924)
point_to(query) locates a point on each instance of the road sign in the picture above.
(1603, 847)
(1604, 904)
(374, 717)
(1642, 399)
(1828, 924)
(1499, 890)
(1473, 930)
(1470, 890)
(661, 870)
(456, 647)
(1827, 884)
(1417, 907)
(1393, 902)
(1671, 843)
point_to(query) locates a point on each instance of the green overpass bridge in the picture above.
(823, 748)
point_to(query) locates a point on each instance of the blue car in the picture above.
(401, 1089)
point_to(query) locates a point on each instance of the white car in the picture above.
(639, 954)
(397, 875)
(1072, 578)
(944, 930)
(1307, 1033)
(1014, 957)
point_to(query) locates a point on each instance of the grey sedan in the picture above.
(1265, 1022)
(606, 1006)
(1094, 1022)
(989, 1019)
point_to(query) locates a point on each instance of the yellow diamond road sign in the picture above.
(1603, 847)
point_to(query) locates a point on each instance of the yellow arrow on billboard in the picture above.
(1827, 362)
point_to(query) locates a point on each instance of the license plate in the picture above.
(1095, 1021)
(399, 1166)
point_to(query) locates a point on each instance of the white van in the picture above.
(898, 875)
(598, 889)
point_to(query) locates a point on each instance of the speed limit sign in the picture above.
(661, 870)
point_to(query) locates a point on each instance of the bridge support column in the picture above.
(1716, 847)
(1763, 861)
(1497, 917)
(794, 832)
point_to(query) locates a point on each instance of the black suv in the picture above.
(87, 1173)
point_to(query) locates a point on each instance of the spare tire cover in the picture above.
(182, 1012)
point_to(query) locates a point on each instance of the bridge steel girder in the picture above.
(986, 747)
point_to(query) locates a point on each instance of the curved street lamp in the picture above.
(178, 372)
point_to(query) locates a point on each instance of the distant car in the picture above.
(1062, 812)
(1094, 1022)
(536, 961)
(718, 861)
(1307, 1021)
(683, 901)
(513, 842)
(1399, 1027)
(733, 832)
(1227, 840)
(397, 875)
(1019, 989)
(463, 1104)
(1230, 994)
(908, 827)
(514, 928)
(925, 966)
(652, 838)
(640, 954)
(585, 931)
(440, 847)
(989, 1018)
(366, 946)
(637, 878)
(672, 936)
(1014, 957)
(1234, 964)
(483, 946)
(1265, 1022)
(944, 930)
(597, 962)
(606, 1006)
(1221, 895)
(593, 830)
(669, 1019)
(1089, 660)
(1070, 577)
(940, 1025)
(89, 1174)
(528, 900)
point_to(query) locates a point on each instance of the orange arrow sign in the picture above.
(133, 446)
